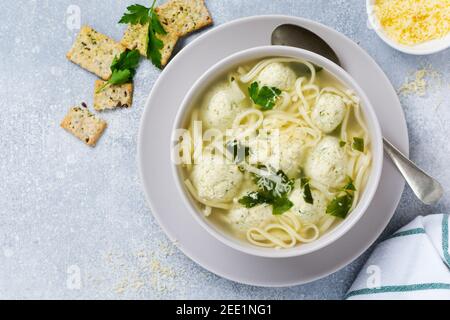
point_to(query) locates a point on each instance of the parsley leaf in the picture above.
(349, 186)
(267, 183)
(307, 196)
(155, 44)
(358, 144)
(281, 205)
(128, 60)
(123, 68)
(238, 151)
(265, 96)
(270, 192)
(120, 77)
(254, 198)
(304, 182)
(342, 143)
(156, 24)
(340, 206)
(137, 14)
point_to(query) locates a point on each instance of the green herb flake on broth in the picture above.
(349, 186)
(279, 188)
(340, 206)
(281, 205)
(307, 196)
(358, 144)
(270, 192)
(238, 151)
(252, 199)
(265, 97)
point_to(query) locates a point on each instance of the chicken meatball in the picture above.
(326, 163)
(329, 112)
(277, 75)
(308, 213)
(215, 179)
(245, 218)
(221, 109)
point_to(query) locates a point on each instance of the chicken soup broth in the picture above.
(284, 154)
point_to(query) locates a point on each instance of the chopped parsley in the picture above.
(252, 199)
(265, 97)
(340, 206)
(270, 192)
(342, 143)
(238, 151)
(138, 14)
(281, 205)
(358, 144)
(123, 68)
(278, 183)
(307, 196)
(349, 186)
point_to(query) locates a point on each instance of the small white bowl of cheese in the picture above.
(416, 27)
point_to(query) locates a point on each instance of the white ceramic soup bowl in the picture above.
(231, 63)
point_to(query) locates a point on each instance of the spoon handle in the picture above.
(427, 189)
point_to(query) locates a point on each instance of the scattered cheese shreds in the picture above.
(145, 270)
(411, 22)
(418, 82)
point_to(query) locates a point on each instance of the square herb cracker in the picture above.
(136, 37)
(170, 40)
(114, 96)
(84, 125)
(94, 52)
(184, 16)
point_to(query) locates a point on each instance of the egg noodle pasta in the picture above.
(285, 100)
(361, 122)
(311, 87)
(284, 117)
(326, 224)
(250, 126)
(276, 157)
(285, 233)
(344, 125)
(322, 188)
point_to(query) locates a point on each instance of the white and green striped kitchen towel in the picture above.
(414, 263)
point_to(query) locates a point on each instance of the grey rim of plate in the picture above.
(163, 197)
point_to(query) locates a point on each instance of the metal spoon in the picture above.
(427, 189)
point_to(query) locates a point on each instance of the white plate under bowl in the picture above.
(169, 209)
(429, 47)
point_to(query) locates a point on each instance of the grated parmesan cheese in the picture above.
(417, 83)
(411, 22)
